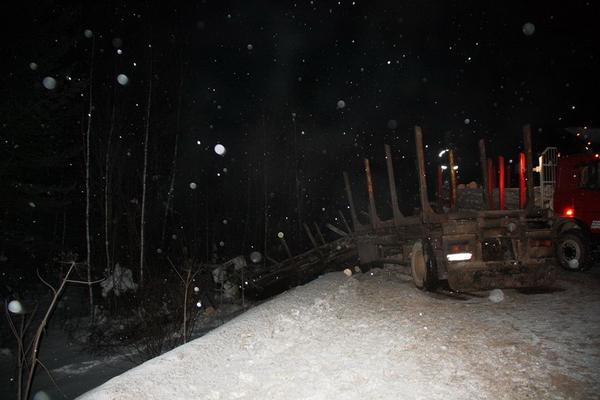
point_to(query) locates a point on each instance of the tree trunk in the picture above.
(145, 178)
(174, 171)
(108, 191)
(87, 134)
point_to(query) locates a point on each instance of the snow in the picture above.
(49, 83)
(374, 335)
(119, 282)
(122, 79)
(220, 149)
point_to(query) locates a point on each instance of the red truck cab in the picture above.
(577, 210)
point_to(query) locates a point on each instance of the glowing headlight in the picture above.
(459, 256)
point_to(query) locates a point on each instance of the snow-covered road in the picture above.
(374, 335)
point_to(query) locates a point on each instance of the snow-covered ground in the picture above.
(369, 335)
(374, 335)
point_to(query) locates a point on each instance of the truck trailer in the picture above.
(464, 251)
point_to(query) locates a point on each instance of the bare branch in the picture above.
(10, 321)
(85, 282)
(51, 378)
(44, 282)
(173, 265)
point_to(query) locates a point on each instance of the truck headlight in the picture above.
(459, 256)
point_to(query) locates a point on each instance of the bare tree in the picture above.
(145, 176)
(108, 188)
(87, 151)
(28, 355)
(186, 279)
(175, 150)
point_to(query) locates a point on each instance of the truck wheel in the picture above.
(572, 251)
(424, 266)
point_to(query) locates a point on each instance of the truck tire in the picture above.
(424, 266)
(573, 251)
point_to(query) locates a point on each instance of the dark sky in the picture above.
(392, 63)
(476, 69)
(433, 63)
(329, 81)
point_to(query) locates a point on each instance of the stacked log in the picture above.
(265, 282)
(470, 199)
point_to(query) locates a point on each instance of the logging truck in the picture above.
(464, 251)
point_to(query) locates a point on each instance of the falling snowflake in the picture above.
(49, 83)
(528, 29)
(220, 149)
(15, 307)
(255, 257)
(122, 79)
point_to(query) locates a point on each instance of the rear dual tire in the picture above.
(424, 266)
(573, 251)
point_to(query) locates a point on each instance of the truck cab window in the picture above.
(583, 176)
(589, 178)
(593, 176)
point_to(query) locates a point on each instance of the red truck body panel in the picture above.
(577, 193)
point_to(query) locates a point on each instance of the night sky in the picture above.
(296, 92)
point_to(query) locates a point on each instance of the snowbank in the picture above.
(376, 336)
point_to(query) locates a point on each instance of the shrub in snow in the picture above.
(120, 281)
(151, 322)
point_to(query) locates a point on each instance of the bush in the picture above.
(148, 322)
